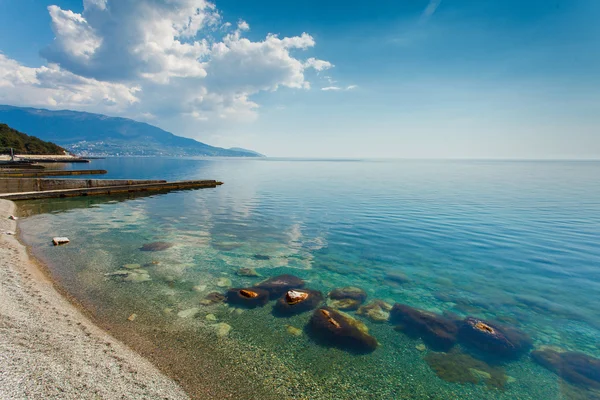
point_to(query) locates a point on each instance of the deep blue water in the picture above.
(498, 240)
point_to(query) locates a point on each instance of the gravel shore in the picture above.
(50, 350)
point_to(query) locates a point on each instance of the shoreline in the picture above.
(50, 349)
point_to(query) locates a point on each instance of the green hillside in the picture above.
(25, 144)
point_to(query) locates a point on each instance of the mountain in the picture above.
(255, 153)
(96, 134)
(25, 144)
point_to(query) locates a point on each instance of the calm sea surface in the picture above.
(515, 242)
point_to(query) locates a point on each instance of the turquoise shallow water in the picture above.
(509, 241)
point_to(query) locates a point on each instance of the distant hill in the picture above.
(257, 154)
(25, 144)
(96, 134)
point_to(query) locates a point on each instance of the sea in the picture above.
(513, 243)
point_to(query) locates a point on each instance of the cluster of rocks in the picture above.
(327, 326)
(130, 273)
(489, 340)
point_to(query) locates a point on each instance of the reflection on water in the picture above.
(511, 244)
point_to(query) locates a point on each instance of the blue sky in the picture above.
(405, 78)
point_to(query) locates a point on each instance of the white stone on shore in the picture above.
(60, 240)
(190, 312)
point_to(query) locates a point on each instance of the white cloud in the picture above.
(158, 59)
(319, 65)
(337, 88)
(54, 87)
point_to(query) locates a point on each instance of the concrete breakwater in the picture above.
(118, 187)
(12, 173)
(18, 185)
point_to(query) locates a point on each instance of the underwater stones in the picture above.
(222, 329)
(377, 311)
(347, 298)
(576, 368)
(199, 288)
(297, 301)
(224, 282)
(131, 275)
(421, 347)
(278, 285)
(210, 317)
(261, 257)
(226, 246)
(249, 272)
(156, 246)
(132, 266)
(436, 331)
(493, 339)
(190, 312)
(212, 298)
(292, 330)
(132, 317)
(458, 367)
(335, 329)
(247, 297)
(395, 278)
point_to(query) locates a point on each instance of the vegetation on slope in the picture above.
(25, 144)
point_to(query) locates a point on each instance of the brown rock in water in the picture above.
(500, 342)
(297, 301)
(577, 368)
(329, 327)
(156, 246)
(377, 311)
(213, 298)
(437, 332)
(247, 297)
(458, 367)
(278, 285)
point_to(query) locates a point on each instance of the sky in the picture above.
(327, 78)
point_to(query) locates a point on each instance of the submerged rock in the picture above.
(224, 282)
(156, 246)
(377, 311)
(502, 342)
(261, 257)
(577, 368)
(247, 297)
(333, 328)
(458, 367)
(395, 278)
(213, 298)
(222, 329)
(347, 298)
(436, 331)
(297, 301)
(190, 312)
(278, 285)
(131, 275)
(132, 266)
(249, 272)
(292, 330)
